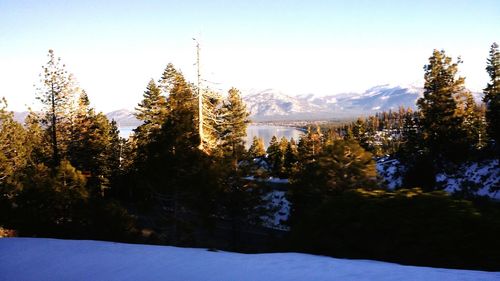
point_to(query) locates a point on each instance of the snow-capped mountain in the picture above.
(123, 117)
(271, 104)
(382, 98)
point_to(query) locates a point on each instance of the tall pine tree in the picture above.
(442, 127)
(56, 94)
(233, 125)
(492, 94)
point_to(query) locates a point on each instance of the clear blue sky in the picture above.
(322, 47)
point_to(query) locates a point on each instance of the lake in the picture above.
(266, 132)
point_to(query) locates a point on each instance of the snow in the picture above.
(278, 208)
(272, 104)
(268, 180)
(482, 177)
(389, 172)
(51, 259)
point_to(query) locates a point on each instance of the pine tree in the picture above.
(176, 174)
(55, 93)
(441, 125)
(275, 156)
(53, 200)
(256, 148)
(310, 145)
(211, 106)
(151, 111)
(90, 149)
(114, 153)
(233, 125)
(180, 125)
(492, 94)
(473, 124)
(40, 150)
(168, 79)
(359, 129)
(14, 149)
(290, 158)
(283, 144)
(343, 165)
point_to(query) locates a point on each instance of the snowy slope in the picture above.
(481, 178)
(278, 208)
(51, 259)
(272, 104)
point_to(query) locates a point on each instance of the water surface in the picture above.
(266, 132)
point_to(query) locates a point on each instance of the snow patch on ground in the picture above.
(481, 178)
(50, 259)
(390, 172)
(268, 179)
(278, 210)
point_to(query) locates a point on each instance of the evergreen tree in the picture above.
(90, 148)
(52, 202)
(473, 124)
(14, 149)
(151, 111)
(283, 144)
(179, 177)
(233, 125)
(359, 131)
(291, 158)
(442, 130)
(55, 93)
(180, 127)
(212, 107)
(256, 148)
(343, 165)
(114, 153)
(275, 156)
(238, 200)
(39, 140)
(492, 94)
(310, 145)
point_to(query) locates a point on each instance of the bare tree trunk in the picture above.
(55, 149)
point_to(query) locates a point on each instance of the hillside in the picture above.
(51, 259)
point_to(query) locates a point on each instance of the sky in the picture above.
(114, 48)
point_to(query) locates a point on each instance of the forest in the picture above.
(185, 178)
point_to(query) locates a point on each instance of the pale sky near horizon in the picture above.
(298, 47)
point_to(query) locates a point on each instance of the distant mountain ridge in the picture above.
(274, 105)
(271, 104)
(123, 118)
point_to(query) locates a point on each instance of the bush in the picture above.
(406, 226)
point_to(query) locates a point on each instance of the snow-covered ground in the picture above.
(390, 171)
(52, 259)
(482, 178)
(278, 208)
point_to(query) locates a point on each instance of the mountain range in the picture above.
(268, 105)
(274, 105)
